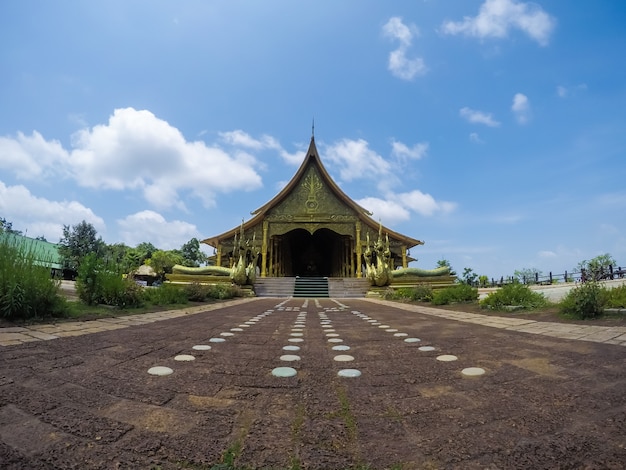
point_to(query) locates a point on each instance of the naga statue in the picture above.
(243, 268)
(246, 254)
(378, 261)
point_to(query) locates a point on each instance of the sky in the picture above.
(492, 130)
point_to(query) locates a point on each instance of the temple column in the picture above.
(218, 262)
(359, 273)
(264, 250)
(403, 248)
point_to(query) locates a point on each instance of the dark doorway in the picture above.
(312, 255)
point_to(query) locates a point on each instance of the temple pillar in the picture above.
(264, 250)
(218, 262)
(403, 249)
(359, 273)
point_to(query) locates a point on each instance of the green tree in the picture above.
(162, 261)
(469, 276)
(444, 263)
(527, 275)
(6, 226)
(192, 256)
(596, 267)
(79, 241)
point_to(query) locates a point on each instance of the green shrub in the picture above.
(223, 291)
(585, 301)
(98, 284)
(455, 294)
(166, 294)
(197, 292)
(419, 293)
(514, 294)
(617, 297)
(27, 289)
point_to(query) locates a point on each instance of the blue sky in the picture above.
(493, 130)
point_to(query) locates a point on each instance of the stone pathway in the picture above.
(598, 334)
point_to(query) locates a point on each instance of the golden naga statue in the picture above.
(246, 254)
(378, 269)
(243, 269)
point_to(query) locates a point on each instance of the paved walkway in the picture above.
(599, 334)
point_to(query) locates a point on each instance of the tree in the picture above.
(192, 256)
(7, 227)
(79, 241)
(597, 267)
(162, 261)
(469, 276)
(444, 263)
(527, 275)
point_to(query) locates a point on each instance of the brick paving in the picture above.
(599, 334)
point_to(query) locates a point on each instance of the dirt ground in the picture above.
(88, 402)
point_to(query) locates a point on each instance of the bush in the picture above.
(455, 294)
(585, 301)
(514, 294)
(27, 289)
(617, 297)
(166, 294)
(202, 292)
(98, 284)
(419, 293)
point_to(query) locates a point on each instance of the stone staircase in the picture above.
(311, 287)
(348, 287)
(336, 287)
(274, 286)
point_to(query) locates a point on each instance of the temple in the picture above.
(310, 228)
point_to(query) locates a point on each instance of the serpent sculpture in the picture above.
(420, 272)
(378, 270)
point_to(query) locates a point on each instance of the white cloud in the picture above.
(400, 65)
(521, 108)
(356, 160)
(478, 117)
(32, 157)
(42, 217)
(561, 91)
(564, 92)
(150, 226)
(497, 17)
(474, 137)
(547, 254)
(136, 150)
(398, 207)
(403, 152)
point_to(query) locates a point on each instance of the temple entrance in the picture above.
(320, 254)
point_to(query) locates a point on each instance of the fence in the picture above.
(575, 276)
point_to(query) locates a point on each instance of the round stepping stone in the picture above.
(384, 326)
(289, 357)
(296, 330)
(327, 326)
(160, 370)
(412, 340)
(217, 340)
(296, 334)
(330, 330)
(372, 321)
(201, 347)
(473, 371)
(375, 324)
(227, 333)
(335, 340)
(343, 358)
(184, 357)
(332, 335)
(341, 347)
(291, 348)
(284, 372)
(236, 329)
(447, 358)
(400, 335)
(391, 330)
(426, 348)
(295, 340)
(244, 326)
(349, 373)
